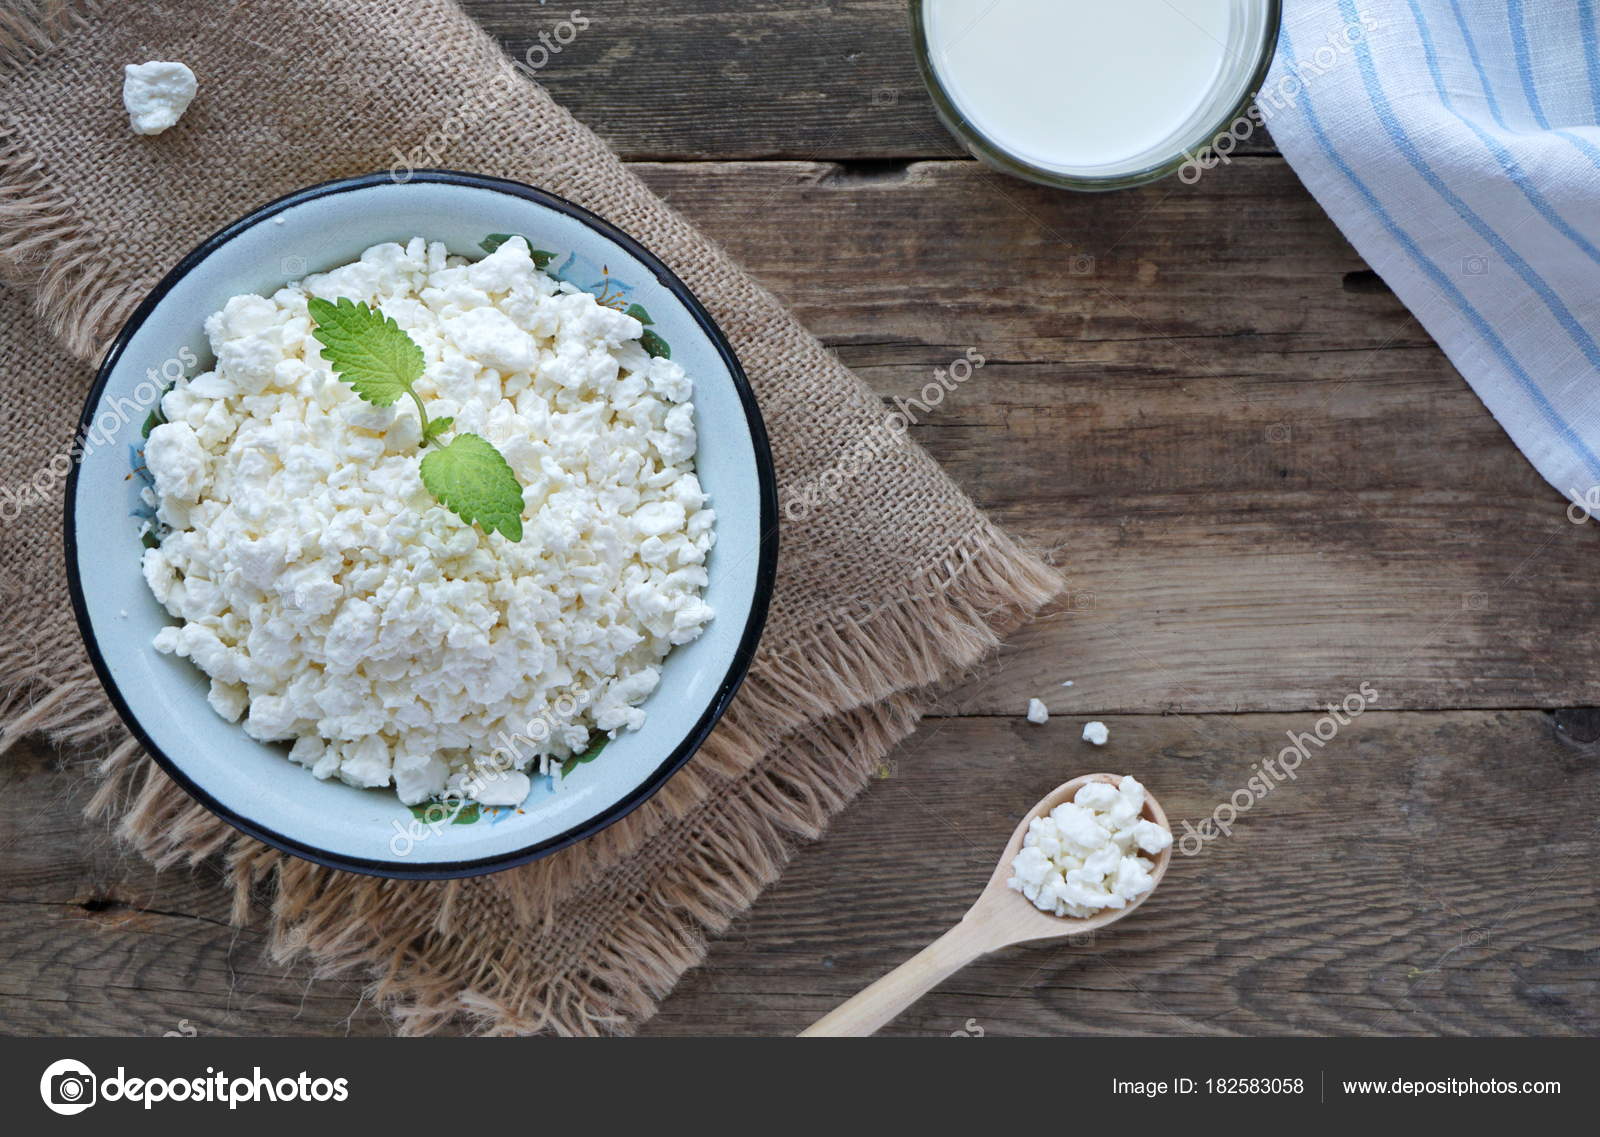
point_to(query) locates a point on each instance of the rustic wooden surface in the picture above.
(1268, 486)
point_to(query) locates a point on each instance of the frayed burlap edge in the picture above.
(769, 776)
(75, 291)
(345, 925)
(70, 713)
(32, 28)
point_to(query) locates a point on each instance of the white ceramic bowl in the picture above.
(163, 698)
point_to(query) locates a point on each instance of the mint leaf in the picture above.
(655, 345)
(156, 418)
(475, 482)
(440, 812)
(366, 348)
(589, 755)
(435, 428)
(541, 257)
(638, 312)
(378, 359)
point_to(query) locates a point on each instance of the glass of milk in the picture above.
(1092, 94)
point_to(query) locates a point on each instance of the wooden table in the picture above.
(1268, 487)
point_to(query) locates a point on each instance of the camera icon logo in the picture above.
(68, 1086)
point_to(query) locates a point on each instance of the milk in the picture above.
(1089, 86)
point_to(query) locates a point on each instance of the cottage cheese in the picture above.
(156, 94)
(1038, 713)
(337, 606)
(1096, 732)
(1084, 857)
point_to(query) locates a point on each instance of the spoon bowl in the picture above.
(1000, 917)
(1006, 910)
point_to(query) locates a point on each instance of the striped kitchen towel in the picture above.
(1454, 142)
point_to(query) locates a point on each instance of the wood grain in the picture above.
(716, 79)
(97, 943)
(1267, 486)
(1426, 873)
(1264, 480)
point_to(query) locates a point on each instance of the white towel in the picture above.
(1454, 142)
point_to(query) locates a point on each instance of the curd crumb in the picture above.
(1096, 732)
(1038, 713)
(1091, 853)
(156, 94)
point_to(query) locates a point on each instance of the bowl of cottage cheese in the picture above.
(421, 529)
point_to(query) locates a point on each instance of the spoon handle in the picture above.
(864, 1013)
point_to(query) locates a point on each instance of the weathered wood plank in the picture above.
(1268, 486)
(97, 943)
(1265, 481)
(1425, 873)
(735, 78)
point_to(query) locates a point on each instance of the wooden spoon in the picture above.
(1001, 917)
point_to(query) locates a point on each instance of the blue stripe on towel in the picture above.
(1590, 36)
(1441, 281)
(1408, 149)
(1519, 45)
(1588, 149)
(1477, 65)
(1507, 163)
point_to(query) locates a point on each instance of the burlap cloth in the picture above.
(893, 581)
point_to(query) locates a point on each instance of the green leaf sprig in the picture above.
(440, 812)
(650, 341)
(541, 257)
(589, 754)
(370, 352)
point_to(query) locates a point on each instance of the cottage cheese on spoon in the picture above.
(335, 604)
(1085, 856)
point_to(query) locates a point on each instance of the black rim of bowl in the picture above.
(765, 572)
